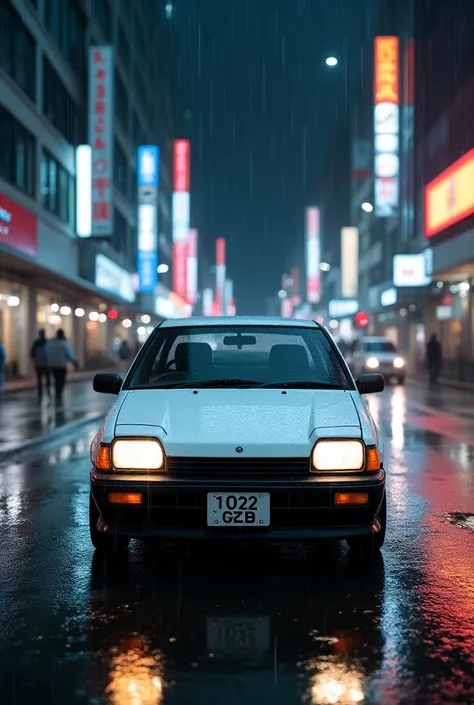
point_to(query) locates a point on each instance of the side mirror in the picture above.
(370, 384)
(106, 383)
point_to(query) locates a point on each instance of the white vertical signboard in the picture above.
(101, 138)
(349, 263)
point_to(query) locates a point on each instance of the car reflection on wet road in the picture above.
(267, 624)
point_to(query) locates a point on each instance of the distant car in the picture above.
(244, 428)
(377, 354)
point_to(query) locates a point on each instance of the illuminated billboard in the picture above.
(449, 198)
(410, 270)
(84, 190)
(181, 213)
(349, 263)
(192, 268)
(313, 256)
(221, 270)
(386, 126)
(148, 172)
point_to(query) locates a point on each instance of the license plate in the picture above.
(238, 636)
(238, 509)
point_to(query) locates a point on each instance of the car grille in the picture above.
(238, 466)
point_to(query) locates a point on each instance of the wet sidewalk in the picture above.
(24, 420)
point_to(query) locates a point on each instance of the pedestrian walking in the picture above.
(434, 358)
(40, 361)
(125, 355)
(59, 354)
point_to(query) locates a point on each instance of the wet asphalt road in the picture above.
(273, 624)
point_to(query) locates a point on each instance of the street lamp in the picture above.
(325, 267)
(331, 61)
(367, 207)
(282, 294)
(162, 268)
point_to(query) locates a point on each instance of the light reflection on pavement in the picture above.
(226, 625)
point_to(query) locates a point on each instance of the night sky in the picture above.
(257, 101)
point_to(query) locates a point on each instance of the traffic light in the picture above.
(361, 319)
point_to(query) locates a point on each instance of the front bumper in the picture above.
(299, 508)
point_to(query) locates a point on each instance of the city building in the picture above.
(444, 81)
(383, 193)
(49, 277)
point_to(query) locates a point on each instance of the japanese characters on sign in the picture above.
(101, 138)
(386, 126)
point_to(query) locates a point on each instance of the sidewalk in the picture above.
(19, 385)
(24, 421)
(445, 382)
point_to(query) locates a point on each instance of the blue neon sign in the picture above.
(148, 169)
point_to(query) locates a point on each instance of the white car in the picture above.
(378, 354)
(239, 428)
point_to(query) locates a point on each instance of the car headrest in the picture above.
(288, 362)
(194, 357)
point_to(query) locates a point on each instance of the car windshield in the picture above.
(239, 357)
(380, 346)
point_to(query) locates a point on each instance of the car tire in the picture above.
(368, 546)
(110, 544)
(401, 380)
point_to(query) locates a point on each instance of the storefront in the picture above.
(96, 310)
(449, 228)
(18, 233)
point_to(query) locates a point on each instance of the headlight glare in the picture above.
(398, 362)
(137, 454)
(372, 363)
(338, 455)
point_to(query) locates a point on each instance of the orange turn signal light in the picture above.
(343, 499)
(125, 497)
(103, 458)
(372, 461)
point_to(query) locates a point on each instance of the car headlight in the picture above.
(331, 455)
(372, 363)
(137, 454)
(398, 362)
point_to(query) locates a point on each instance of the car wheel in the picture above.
(104, 543)
(368, 546)
(401, 380)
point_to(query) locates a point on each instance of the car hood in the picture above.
(265, 422)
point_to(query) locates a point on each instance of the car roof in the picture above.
(238, 321)
(376, 339)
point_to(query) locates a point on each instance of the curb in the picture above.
(53, 436)
(457, 384)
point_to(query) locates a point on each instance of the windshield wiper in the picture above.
(302, 385)
(212, 384)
